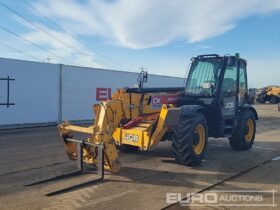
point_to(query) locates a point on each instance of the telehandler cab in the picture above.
(213, 103)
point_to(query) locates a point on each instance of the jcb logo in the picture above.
(130, 137)
(229, 105)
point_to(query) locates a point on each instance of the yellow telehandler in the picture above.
(213, 103)
(270, 93)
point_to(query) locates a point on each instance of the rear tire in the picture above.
(127, 148)
(189, 140)
(274, 99)
(243, 135)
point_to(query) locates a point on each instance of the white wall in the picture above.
(79, 88)
(34, 92)
(45, 93)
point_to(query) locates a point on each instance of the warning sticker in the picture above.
(158, 100)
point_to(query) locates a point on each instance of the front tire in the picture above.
(189, 140)
(243, 135)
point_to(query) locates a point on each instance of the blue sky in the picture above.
(160, 35)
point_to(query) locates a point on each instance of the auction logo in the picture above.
(250, 198)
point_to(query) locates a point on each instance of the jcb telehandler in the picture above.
(270, 93)
(213, 103)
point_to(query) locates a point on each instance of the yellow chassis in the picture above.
(108, 130)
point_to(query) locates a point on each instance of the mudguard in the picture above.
(191, 110)
(251, 108)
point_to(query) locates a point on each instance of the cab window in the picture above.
(242, 83)
(230, 80)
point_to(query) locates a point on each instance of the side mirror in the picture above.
(142, 78)
(145, 77)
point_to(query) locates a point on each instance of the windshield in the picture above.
(203, 76)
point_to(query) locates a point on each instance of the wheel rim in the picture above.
(198, 145)
(250, 130)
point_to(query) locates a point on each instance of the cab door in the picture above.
(242, 85)
(229, 90)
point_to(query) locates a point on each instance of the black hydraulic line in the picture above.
(154, 90)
